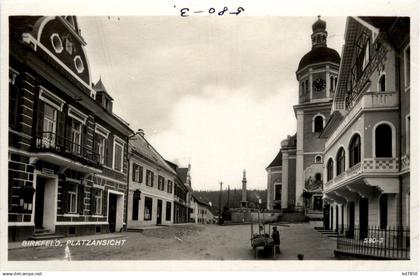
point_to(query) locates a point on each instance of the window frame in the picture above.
(149, 178)
(393, 139)
(150, 213)
(275, 191)
(330, 169)
(379, 85)
(352, 150)
(340, 161)
(98, 201)
(73, 193)
(118, 143)
(314, 122)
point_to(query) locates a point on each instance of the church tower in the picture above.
(317, 78)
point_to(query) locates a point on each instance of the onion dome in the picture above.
(319, 25)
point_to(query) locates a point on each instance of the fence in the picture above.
(373, 241)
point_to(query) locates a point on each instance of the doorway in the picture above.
(332, 218)
(39, 203)
(112, 212)
(351, 221)
(336, 218)
(159, 212)
(317, 203)
(45, 209)
(363, 217)
(327, 217)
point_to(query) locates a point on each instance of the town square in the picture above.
(234, 138)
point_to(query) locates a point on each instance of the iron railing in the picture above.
(50, 141)
(373, 241)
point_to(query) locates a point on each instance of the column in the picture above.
(299, 161)
(328, 86)
(269, 191)
(285, 180)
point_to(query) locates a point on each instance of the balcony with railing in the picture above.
(66, 153)
(366, 168)
(368, 101)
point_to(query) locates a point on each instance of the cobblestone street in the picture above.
(189, 242)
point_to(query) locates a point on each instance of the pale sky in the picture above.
(216, 92)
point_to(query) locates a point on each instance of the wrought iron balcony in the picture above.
(53, 143)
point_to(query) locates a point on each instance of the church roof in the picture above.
(319, 54)
(277, 161)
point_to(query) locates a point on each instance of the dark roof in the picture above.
(182, 173)
(140, 145)
(319, 25)
(100, 87)
(201, 200)
(277, 161)
(319, 54)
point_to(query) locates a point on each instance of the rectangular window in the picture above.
(76, 136)
(366, 56)
(168, 211)
(49, 125)
(277, 194)
(148, 205)
(72, 198)
(169, 188)
(407, 67)
(100, 142)
(137, 174)
(118, 156)
(161, 183)
(98, 202)
(149, 178)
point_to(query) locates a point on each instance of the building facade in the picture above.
(295, 175)
(67, 149)
(181, 206)
(151, 188)
(367, 149)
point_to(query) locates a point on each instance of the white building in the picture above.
(151, 185)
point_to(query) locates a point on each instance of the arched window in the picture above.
(381, 84)
(355, 150)
(318, 177)
(341, 162)
(330, 169)
(318, 159)
(318, 124)
(383, 141)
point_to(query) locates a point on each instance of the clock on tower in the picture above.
(318, 84)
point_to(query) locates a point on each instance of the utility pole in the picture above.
(228, 204)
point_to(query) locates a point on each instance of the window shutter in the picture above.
(81, 198)
(133, 173)
(92, 201)
(64, 198)
(104, 202)
(40, 118)
(95, 143)
(84, 140)
(109, 150)
(67, 134)
(60, 128)
(141, 174)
